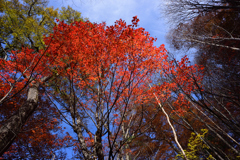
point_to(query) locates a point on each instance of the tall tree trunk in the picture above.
(98, 144)
(14, 124)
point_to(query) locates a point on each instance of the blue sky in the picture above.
(111, 10)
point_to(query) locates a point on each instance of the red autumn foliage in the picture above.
(113, 65)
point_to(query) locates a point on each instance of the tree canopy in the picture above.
(212, 35)
(23, 24)
(118, 95)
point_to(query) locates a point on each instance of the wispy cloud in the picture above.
(111, 10)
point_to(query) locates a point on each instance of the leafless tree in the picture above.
(181, 11)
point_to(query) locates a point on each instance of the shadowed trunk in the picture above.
(14, 124)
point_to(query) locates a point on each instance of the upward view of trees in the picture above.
(185, 10)
(24, 24)
(106, 92)
(212, 31)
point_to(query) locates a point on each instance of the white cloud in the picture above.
(111, 10)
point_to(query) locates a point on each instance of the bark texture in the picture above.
(11, 128)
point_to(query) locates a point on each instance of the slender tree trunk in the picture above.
(98, 144)
(14, 124)
(78, 130)
(170, 124)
